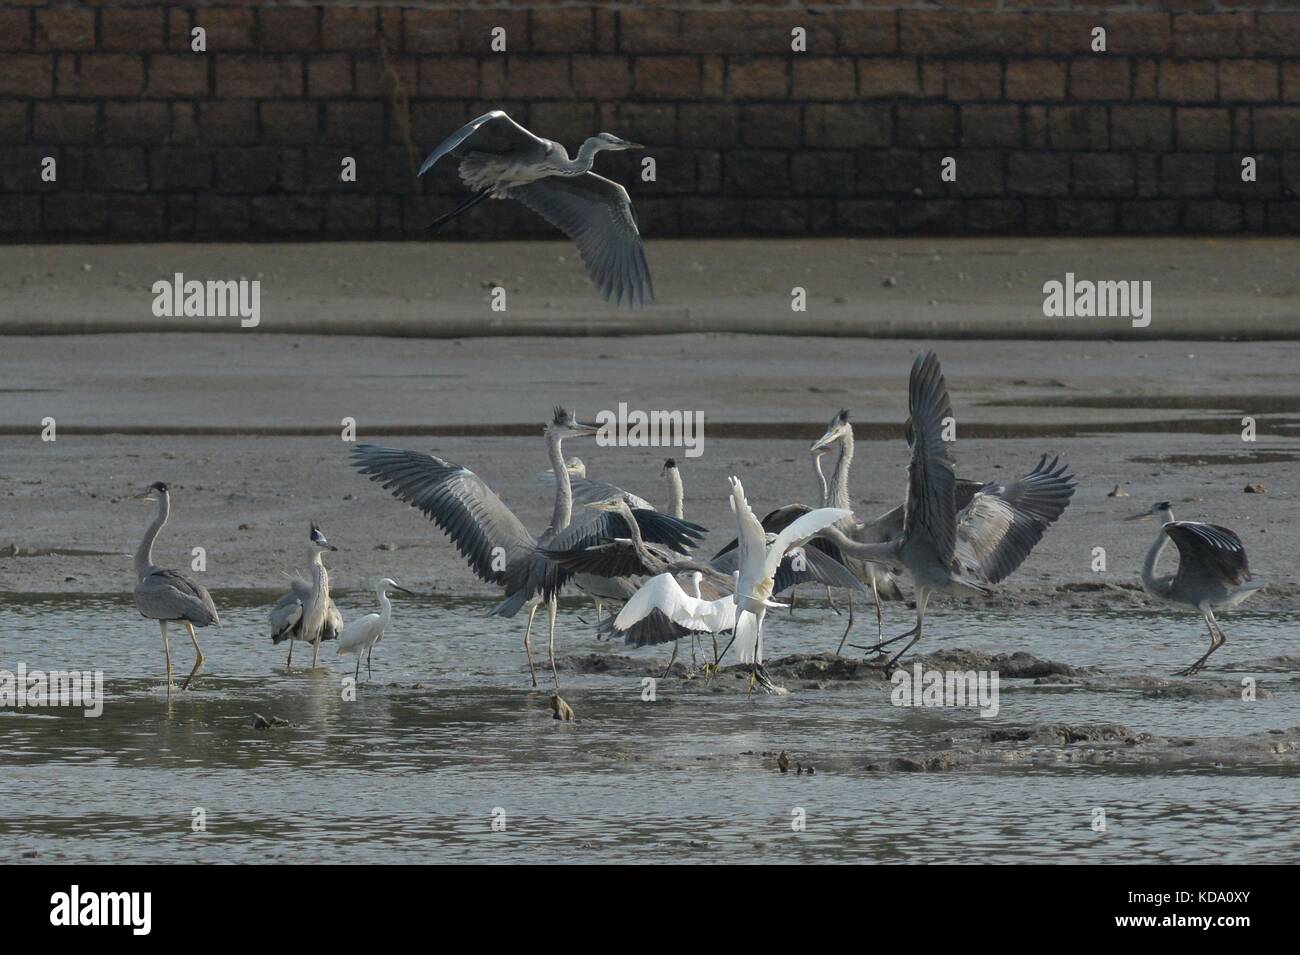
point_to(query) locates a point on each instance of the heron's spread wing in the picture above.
(493, 132)
(664, 594)
(587, 491)
(602, 547)
(808, 563)
(1209, 553)
(752, 541)
(596, 213)
(1004, 522)
(486, 532)
(930, 510)
(169, 595)
(798, 531)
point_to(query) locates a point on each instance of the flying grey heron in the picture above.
(362, 634)
(169, 596)
(944, 550)
(307, 612)
(1213, 572)
(498, 547)
(499, 159)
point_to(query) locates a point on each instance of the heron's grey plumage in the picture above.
(286, 615)
(500, 159)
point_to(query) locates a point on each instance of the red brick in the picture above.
(1253, 81)
(751, 33)
(329, 75)
(377, 76)
(847, 125)
(762, 77)
(13, 122)
(27, 75)
(16, 30)
(179, 24)
(1203, 127)
(990, 125)
(1141, 127)
(1277, 127)
(709, 125)
(1278, 33)
(601, 76)
(1029, 80)
(258, 75)
(1100, 78)
(65, 123)
(649, 31)
(824, 78)
(669, 77)
(561, 31)
(538, 77)
(355, 122)
(228, 28)
(348, 28)
(1136, 33)
(136, 122)
(930, 125)
(430, 31)
(935, 33)
(1077, 127)
(770, 125)
(178, 74)
(230, 123)
(132, 30)
(445, 76)
(1187, 81)
(973, 79)
(289, 121)
(1215, 34)
(110, 74)
(858, 31)
(564, 122)
(289, 29)
(1291, 82)
(65, 28)
(887, 77)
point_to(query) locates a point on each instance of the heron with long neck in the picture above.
(167, 595)
(1213, 572)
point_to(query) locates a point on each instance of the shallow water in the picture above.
(449, 730)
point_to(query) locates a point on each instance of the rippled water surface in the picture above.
(449, 731)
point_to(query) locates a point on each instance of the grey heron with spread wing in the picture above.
(946, 550)
(496, 544)
(1213, 572)
(169, 596)
(307, 611)
(499, 159)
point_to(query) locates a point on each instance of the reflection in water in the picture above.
(450, 731)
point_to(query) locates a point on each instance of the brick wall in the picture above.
(154, 141)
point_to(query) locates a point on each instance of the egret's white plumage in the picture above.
(689, 609)
(361, 635)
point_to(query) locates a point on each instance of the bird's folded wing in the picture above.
(1004, 522)
(596, 214)
(486, 532)
(172, 592)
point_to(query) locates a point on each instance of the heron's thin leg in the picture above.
(315, 651)
(528, 643)
(1217, 639)
(356, 674)
(793, 593)
(695, 636)
(167, 648)
(600, 612)
(848, 628)
(467, 204)
(880, 618)
(830, 601)
(369, 650)
(922, 598)
(552, 609)
(671, 660)
(198, 656)
(289, 663)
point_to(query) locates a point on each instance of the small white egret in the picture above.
(362, 634)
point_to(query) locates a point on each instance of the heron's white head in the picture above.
(835, 431)
(388, 583)
(318, 540)
(157, 491)
(565, 424)
(1160, 510)
(610, 141)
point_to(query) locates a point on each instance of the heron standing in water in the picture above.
(169, 596)
(1213, 572)
(362, 634)
(499, 159)
(307, 611)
